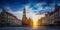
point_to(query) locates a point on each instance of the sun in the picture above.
(34, 23)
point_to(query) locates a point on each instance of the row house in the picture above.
(54, 17)
(57, 14)
(8, 19)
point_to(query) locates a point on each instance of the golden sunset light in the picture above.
(35, 24)
(35, 19)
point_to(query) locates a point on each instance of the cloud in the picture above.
(32, 14)
(34, 10)
(18, 14)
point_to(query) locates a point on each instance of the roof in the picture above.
(55, 10)
(4, 11)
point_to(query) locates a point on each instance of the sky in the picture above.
(35, 9)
